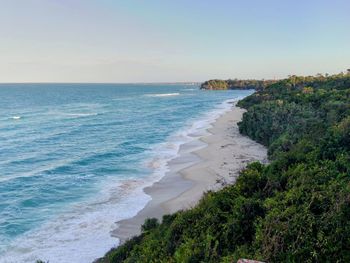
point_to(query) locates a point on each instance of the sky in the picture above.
(171, 41)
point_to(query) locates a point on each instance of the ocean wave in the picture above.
(39, 171)
(189, 89)
(163, 153)
(16, 117)
(163, 94)
(89, 225)
(81, 114)
(74, 115)
(81, 226)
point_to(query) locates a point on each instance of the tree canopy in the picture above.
(217, 84)
(294, 209)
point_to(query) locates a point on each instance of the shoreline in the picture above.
(207, 163)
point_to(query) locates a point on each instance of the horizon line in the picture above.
(74, 82)
(169, 82)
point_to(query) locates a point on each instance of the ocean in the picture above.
(74, 159)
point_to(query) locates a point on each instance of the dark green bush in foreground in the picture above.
(296, 209)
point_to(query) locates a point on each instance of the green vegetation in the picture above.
(295, 209)
(217, 84)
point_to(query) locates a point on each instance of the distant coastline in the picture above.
(236, 84)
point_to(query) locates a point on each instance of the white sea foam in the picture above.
(163, 153)
(16, 117)
(189, 89)
(163, 95)
(82, 232)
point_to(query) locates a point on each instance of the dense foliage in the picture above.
(216, 84)
(295, 209)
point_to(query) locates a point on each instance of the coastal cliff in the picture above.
(294, 209)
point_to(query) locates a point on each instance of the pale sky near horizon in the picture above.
(168, 41)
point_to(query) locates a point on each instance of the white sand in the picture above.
(201, 166)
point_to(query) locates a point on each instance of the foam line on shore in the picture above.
(118, 200)
(215, 154)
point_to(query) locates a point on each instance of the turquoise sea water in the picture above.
(74, 159)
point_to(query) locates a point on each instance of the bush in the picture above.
(295, 209)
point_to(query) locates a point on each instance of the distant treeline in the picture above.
(217, 84)
(295, 209)
(260, 85)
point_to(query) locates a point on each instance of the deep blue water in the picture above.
(75, 157)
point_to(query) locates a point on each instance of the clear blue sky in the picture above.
(168, 40)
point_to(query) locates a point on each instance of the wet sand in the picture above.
(205, 164)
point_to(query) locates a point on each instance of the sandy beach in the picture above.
(204, 164)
